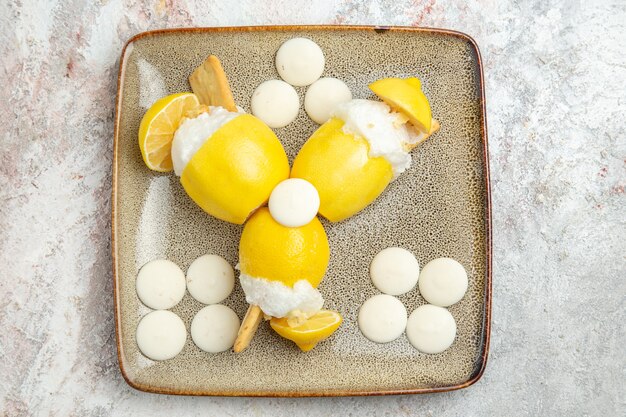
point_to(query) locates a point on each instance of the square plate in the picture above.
(439, 207)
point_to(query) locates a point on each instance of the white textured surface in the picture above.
(556, 87)
(382, 128)
(278, 300)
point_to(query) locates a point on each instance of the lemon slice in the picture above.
(317, 328)
(406, 96)
(157, 128)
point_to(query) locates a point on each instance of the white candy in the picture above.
(214, 328)
(443, 282)
(160, 284)
(294, 202)
(323, 96)
(276, 103)
(161, 335)
(394, 271)
(300, 61)
(431, 329)
(210, 279)
(382, 318)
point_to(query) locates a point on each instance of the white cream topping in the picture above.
(193, 133)
(278, 300)
(386, 131)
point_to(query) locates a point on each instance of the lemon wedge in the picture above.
(307, 335)
(158, 126)
(406, 96)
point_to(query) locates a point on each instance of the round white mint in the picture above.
(160, 284)
(276, 103)
(443, 282)
(161, 335)
(294, 202)
(382, 318)
(214, 328)
(431, 329)
(323, 96)
(210, 279)
(394, 271)
(300, 61)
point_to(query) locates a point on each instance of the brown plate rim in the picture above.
(311, 393)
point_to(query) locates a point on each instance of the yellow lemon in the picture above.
(339, 166)
(285, 254)
(235, 170)
(158, 126)
(307, 335)
(405, 96)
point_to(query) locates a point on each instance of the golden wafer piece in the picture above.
(250, 323)
(210, 84)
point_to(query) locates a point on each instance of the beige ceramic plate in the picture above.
(440, 207)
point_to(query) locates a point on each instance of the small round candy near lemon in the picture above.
(158, 126)
(236, 169)
(405, 96)
(317, 328)
(285, 254)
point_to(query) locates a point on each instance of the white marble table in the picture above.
(556, 99)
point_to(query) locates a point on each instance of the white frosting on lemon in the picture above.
(386, 131)
(193, 133)
(278, 300)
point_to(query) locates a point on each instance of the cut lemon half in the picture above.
(158, 126)
(317, 328)
(339, 166)
(269, 250)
